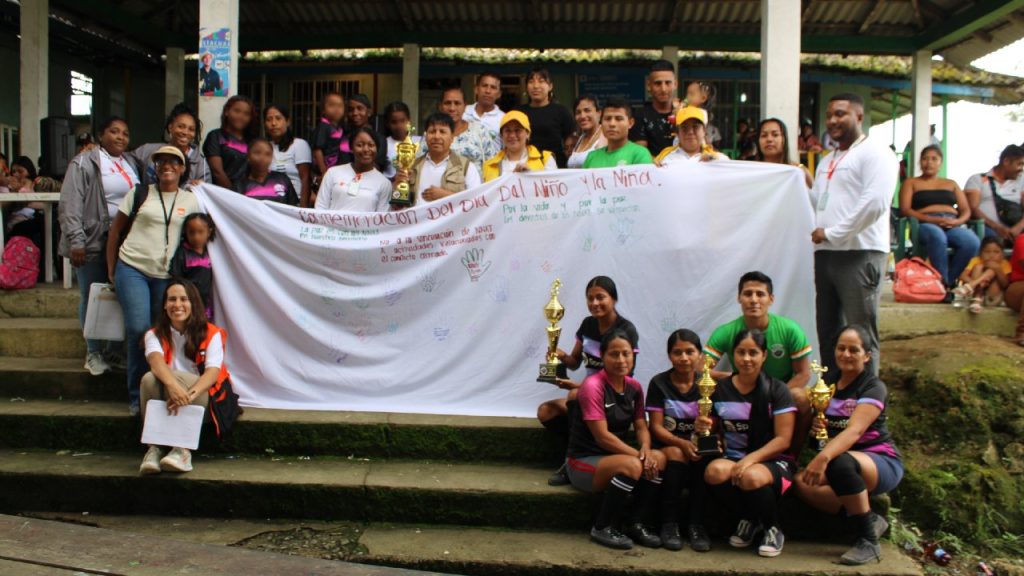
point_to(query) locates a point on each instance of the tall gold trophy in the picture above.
(402, 195)
(553, 311)
(707, 445)
(821, 396)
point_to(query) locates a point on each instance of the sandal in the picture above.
(964, 291)
(975, 307)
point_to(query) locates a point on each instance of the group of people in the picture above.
(761, 417)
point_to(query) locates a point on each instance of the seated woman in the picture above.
(517, 155)
(860, 458)
(602, 296)
(672, 407)
(941, 207)
(186, 363)
(691, 123)
(773, 146)
(757, 415)
(599, 458)
(440, 172)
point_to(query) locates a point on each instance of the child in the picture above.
(330, 147)
(396, 116)
(192, 260)
(262, 184)
(986, 276)
(702, 95)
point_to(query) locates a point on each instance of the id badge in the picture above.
(352, 188)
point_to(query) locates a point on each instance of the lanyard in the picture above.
(167, 218)
(124, 174)
(834, 162)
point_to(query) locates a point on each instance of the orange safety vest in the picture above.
(200, 359)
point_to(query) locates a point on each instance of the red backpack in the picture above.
(19, 269)
(917, 282)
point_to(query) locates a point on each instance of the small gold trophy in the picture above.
(402, 195)
(821, 395)
(554, 312)
(707, 445)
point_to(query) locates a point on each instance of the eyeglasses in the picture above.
(165, 161)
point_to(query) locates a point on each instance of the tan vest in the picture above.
(453, 179)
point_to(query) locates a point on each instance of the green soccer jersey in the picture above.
(628, 155)
(786, 344)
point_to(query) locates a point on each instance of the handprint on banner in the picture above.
(474, 262)
(442, 329)
(670, 319)
(531, 348)
(429, 282)
(392, 327)
(588, 244)
(623, 229)
(359, 262)
(330, 257)
(499, 290)
(391, 294)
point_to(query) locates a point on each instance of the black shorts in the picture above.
(782, 472)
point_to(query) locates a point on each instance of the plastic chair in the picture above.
(905, 224)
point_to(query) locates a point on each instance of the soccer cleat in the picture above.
(177, 460)
(642, 535)
(862, 553)
(670, 537)
(611, 538)
(151, 461)
(699, 540)
(559, 478)
(771, 544)
(746, 532)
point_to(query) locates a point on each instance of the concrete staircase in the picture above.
(473, 488)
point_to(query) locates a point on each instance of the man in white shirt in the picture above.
(440, 172)
(485, 109)
(852, 193)
(1004, 179)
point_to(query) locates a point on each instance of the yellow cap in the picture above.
(167, 150)
(515, 116)
(688, 112)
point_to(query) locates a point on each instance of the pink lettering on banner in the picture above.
(624, 178)
(404, 218)
(550, 188)
(436, 211)
(512, 191)
(477, 202)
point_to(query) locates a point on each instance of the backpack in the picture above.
(19, 269)
(916, 281)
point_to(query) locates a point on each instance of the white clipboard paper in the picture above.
(104, 319)
(163, 429)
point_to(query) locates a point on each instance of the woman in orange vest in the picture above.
(516, 154)
(186, 362)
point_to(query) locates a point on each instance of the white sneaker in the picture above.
(177, 460)
(96, 365)
(151, 461)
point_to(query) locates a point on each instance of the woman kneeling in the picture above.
(599, 458)
(860, 458)
(757, 415)
(186, 360)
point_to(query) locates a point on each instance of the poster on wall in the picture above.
(215, 63)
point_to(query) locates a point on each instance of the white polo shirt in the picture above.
(490, 119)
(1009, 190)
(431, 174)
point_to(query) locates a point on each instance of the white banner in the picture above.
(438, 309)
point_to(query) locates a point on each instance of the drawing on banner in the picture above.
(588, 244)
(671, 318)
(623, 230)
(215, 63)
(391, 294)
(442, 329)
(474, 262)
(392, 327)
(499, 289)
(429, 282)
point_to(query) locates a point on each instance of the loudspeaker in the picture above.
(57, 142)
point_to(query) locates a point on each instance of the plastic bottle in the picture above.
(935, 553)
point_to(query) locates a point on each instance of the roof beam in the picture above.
(966, 22)
(672, 25)
(403, 13)
(916, 5)
(876, 11)
(124, 22)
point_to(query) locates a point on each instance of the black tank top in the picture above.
(924, 198)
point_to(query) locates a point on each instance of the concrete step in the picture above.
(57, 378)
(83, 425)
(903, 321)
(43, 301)
(489, 552)
(501, 495)
(41, 338)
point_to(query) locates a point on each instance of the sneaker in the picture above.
(746, 532)
(133, 409)
(559, 478)
(151, 461)
(95, 364)
(611, 538)
(862, 553)
(643, 535)
(177, 460)
(699, 540)
(879, 523)
(771, 544)
(670, 537)
(116, 361)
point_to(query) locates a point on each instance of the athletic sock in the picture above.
(670, 487)
(648, 492)
(558, 425)
(614, 497)
(865, 527)
(726, 495)
(698, 495)
(761, 504)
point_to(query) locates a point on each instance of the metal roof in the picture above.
(960, 30)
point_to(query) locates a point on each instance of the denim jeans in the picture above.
(88, 274)
(141, 299)
(936, 240)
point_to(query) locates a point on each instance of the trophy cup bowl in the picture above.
(406, 155)
(707, 445)
(820, 396)
(553, 368)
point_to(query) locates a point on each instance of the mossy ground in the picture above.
(956, 411)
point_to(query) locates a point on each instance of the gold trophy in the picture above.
(553, 311)
(820, 396)
(707, 445)
(402, 195)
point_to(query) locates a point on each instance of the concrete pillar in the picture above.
(780, 65)
(214, 16)
(35, 65)
(411, 82)
(921, 97)
(671, 53)
(174, 77)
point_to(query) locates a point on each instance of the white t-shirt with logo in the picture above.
(1009, 190)
(289, 160)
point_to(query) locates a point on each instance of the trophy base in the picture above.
(818, 443)
(401, 198)
(550, 372)
(708, 446)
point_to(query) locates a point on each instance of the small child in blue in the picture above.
(192, 260)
